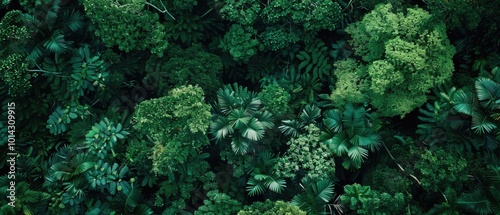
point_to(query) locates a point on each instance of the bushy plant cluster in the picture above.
(250, 107)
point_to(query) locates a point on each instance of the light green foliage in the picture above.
(313, 16)
(275, 98)
(350, 134)
(59, 121)
(364, 200)
(315, 196)
(307, 153)
(402, 63)
(176, 124)
(271, 208)
(103, 136)
(439, 169)
(456, 13)
(191, 66)
(240, 42)
(218, 204)
(350, 87)
(240, 117)
(127, 24)
(109, 177)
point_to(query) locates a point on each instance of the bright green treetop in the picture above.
(176, 123)
(406, 55)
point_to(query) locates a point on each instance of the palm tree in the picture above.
(239, 117)
(352, 133)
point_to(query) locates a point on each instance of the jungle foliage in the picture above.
(251, 107)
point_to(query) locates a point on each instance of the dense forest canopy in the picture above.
(250, 107)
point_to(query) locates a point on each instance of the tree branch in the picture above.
(161, 11)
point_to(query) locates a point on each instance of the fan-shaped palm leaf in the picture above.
(481, 123)
(310, 114)
(254, 131)
(73, 20)
(291, 127)
(316, 196)
(238, 119)
(357, 153)
(240, 145)
(333, 120)
(265, 118)
(463, 103)
(353, 117)
(338, 144)
(56, 43)
(221, 128)
(488, 92)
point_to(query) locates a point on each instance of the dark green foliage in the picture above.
(315, 196)
(437, 170)
(103, 136)
(127, 24)
(271, 208)
(456, 13)
(263, 175)
(351, 134)
(240, 42)
(320, 15)
(123, 107)
(308, 116)
(13, 67)
(191, 66)
(59, 121)
(364, 200)
(486, 198)
(314, 60)
(239, 117)
(218, 203)
(190, 29)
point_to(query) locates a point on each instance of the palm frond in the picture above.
(291, 127)
(56, 43)
(221, 128)
(240, 145)
(488, 92)
(333, 120)
(73, 20)
(481, 123)
(476, 202)
(309, 114)
(254, 131)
